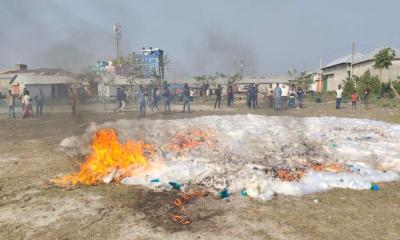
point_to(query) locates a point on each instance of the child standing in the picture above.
(354, 99)
(292, 95)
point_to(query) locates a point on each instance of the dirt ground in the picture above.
(31, 208)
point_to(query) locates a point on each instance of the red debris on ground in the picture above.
(180, 203)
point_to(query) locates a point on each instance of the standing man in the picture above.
(167, 99)
(186, 97)
(271, 99)
(154, 100)
(278, 94)
(300, 95)
(142, 101)
(72, 100)
(123, 100)
(218, 93)
(339, 95)
(251, 96)
(119, 100)
(11, 104)
(292, 97)
(21, 97)
(256, 94)
(230, 95)
(39, 103)
(284, 96)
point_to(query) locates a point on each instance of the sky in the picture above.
(199, 37)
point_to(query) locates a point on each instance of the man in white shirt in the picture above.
(285, 93)
(339, 95)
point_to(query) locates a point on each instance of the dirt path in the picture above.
(31, 208)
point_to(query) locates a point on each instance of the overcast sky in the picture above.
(200, 37)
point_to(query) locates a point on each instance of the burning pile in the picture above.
(191, 139)
(109, 160)
(288, 174)
(258, 154)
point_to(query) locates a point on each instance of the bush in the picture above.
(348, 88)
(368, 81)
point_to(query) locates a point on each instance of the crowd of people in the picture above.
(26, 104)
(280, 97)
(354, 97)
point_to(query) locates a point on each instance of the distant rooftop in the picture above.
(41, 71)
(371, 55)
(345, 59)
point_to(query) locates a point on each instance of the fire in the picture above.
(191, 139)
(180, 202)
(109, 158)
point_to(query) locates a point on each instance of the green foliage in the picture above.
(207, 79)
(383, 59)
(348, 87)
(367, 81)
(304, 81)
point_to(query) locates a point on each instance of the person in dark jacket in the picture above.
(300, 95)
(218, 93)
(251, 96)
(230, 95)
(119, 100)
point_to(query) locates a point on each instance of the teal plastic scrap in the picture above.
(155, 180)
(224, 193)
(175, 185)
(243, 193)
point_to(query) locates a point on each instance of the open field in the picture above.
(31, 208)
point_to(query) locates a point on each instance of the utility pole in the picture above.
(241, 69)
(352, 60)
(320, 76)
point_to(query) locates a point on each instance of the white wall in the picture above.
(339, 74)
(361, 68)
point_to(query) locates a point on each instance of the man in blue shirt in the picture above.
(278, 94)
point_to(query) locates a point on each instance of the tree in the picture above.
(293, 75)
(367, 81)
(135, 69)
(302, 80)
(383, 60)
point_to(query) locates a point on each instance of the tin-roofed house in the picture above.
(53, 82)
(366, 63)
(337, 71)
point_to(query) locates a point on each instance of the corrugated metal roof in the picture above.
(42, 71)
(371, 55)
(31, 78)
(345, 59)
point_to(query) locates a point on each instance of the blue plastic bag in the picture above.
(224, 193)
(375, 187)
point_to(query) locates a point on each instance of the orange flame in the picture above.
(191, 139)
(180, 202)
(109, 156)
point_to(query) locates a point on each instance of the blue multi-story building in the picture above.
(152, 62)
